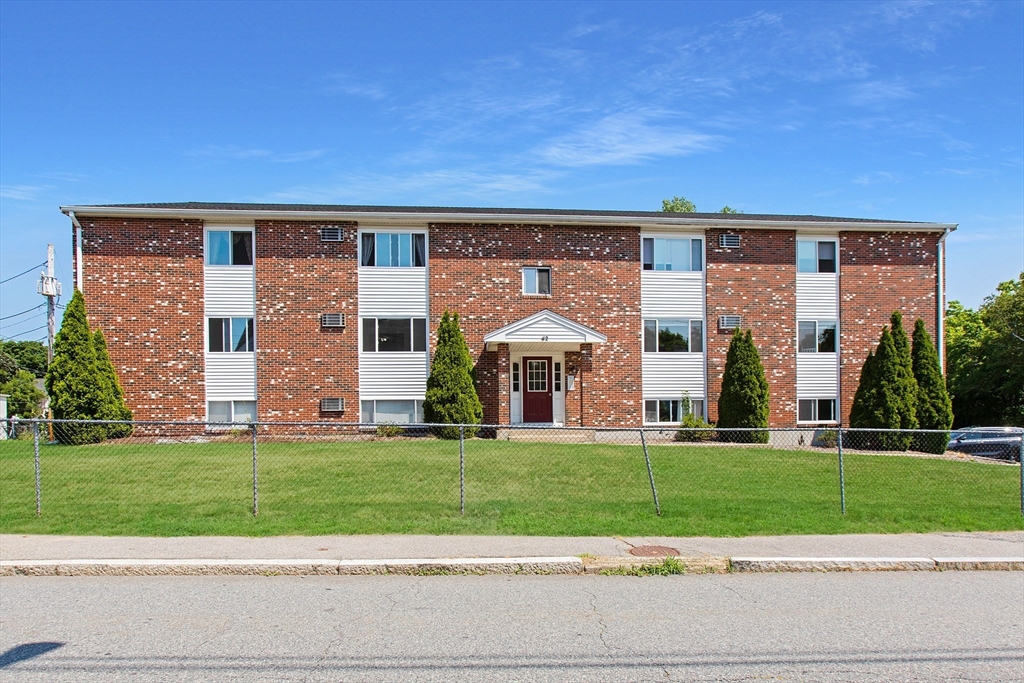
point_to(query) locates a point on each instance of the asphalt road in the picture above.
(923, 626)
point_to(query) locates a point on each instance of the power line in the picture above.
(22, 322)
(15, 315)
(23, 273)
(41, 327)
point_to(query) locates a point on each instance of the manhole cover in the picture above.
(652, 551)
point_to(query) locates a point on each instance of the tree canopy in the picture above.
(29, 355)
(684, 205)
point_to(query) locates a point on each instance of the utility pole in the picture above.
(50, 288)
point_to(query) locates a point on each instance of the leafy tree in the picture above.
(451, 396)
(30, 355)
(690, 423)
(985, 358)
(880, 401)
(906, 385)
(744, 398)
(24, 398)
(678, 205)
(114, 407)
(73, 380)
(728, 209)
(934, 409)
(8, 368)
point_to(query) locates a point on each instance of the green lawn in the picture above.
(412, 486)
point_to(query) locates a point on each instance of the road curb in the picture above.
(873, 564)
(295, 567)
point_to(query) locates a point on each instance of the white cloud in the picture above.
(871, 93)
(876, 177)
(237, 153)
(27, 193)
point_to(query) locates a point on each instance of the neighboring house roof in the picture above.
(405, 214)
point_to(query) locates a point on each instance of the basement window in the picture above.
(816, 410)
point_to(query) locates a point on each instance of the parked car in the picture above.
(988, 442)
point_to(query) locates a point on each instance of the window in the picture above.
(670, 410)
(231, 335)
(515, 377)
(558, 377)
(231, 411)
(673, 336)
(536, 281)
(672, 254)
(816, 336)
(816, 410)
(816, 257)
(397, 411)
(394, 249)
(536, 375)
(229, 248)
(394, 334)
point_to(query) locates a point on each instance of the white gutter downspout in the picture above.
(78, 250)
(942, 303)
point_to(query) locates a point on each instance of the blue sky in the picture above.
(909, 110)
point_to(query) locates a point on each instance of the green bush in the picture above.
(934, 409)
(451, 396)
(23, 398)
(73, 380)
(693, 427)
(744, 399)
(113, 406)
(881, 400)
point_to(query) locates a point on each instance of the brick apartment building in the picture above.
(598, 318)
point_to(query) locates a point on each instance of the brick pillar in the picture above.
(588, 404)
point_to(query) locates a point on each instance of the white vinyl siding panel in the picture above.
(672, 294)
(668, 375)
(816, 375)
(231, 376)
(229, 291)
(392, 375)
(817, 296)
(393, 292)
(545, 328)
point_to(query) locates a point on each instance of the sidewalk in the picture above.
(500, 554)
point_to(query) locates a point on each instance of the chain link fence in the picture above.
(182, 478)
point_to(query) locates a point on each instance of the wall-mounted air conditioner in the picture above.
(332, 405)
(332, 320)
(729, 241)
(728, 322)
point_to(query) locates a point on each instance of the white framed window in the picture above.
(515, 377)
(673, 253)
(816, 410)
(231, 411)
(394, 334)
(393, 249)
(536, 280)
(229, 248)
(816, 336)
(673, 335)
(670, 410)
(398, 411)
(230, 335)
(816, 257)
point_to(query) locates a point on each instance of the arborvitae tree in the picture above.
(906, 384)
(861, 412)
(451, 395)
(73, 380)
(114, 407)
(744, 398)
(934, 409)
(879, 402)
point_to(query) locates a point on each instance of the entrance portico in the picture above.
(543, 357)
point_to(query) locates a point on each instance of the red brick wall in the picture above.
(595, 280)
(143, 286)
(878, 274)
(298, 277)
(758, 282)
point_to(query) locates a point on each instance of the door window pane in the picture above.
(826, 337)
(515, 377)
(807, 341)
(536, 375)
(697, 336)
(218, 248)
(826, 257)
(807, 257)
(393, 334)
(241, 248)
(558, 377)
(673, 336)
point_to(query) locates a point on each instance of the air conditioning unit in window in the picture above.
(728, 322)
(332, 405)
(332, 320)
(729, 241)
(331, 233)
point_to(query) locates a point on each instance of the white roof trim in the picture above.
(545, 326)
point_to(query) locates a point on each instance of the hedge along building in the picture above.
(597, 318)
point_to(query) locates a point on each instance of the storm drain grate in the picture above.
(653, 551)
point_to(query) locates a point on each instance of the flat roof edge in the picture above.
(375, 217)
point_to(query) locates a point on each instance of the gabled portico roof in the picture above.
(545, 327)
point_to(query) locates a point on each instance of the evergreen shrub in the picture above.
(744, 399)
(451, 396)
(934, 408)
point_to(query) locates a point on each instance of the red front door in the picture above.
(537, 397)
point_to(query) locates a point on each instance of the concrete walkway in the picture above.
(500, 554)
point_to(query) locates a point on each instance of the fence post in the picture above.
(1020, 461)
(650, 473)
(842, 473)
(462, 470)
(35, 452)
(255, 475)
